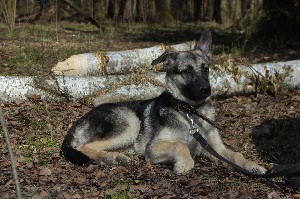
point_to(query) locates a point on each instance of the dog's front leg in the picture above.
(171, 151)
(214, 139)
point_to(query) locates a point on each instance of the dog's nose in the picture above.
(206, 91)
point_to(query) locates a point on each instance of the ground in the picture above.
(37, 129)
(264, 128)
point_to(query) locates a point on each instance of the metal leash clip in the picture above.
(193, 128)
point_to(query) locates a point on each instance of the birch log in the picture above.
(144, 86)
(113, 63)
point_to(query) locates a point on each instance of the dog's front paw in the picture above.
(123, 159)
(255, 168)
(183, 167)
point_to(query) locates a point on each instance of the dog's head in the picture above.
(187, 71)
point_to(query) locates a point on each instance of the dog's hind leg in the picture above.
(103, 157)
(120, 134)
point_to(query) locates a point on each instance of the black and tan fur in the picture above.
(153, 128)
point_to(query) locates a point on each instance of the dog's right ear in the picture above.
(204, 43)
(166, 56)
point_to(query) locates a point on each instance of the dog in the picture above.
(154, 128)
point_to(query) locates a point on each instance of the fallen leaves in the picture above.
(45, 172)
(37, 129)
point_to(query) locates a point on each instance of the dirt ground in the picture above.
(37, 129)
(263, 128)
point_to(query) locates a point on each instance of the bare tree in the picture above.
(8, 10)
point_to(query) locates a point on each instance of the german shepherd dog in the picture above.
(154, 128)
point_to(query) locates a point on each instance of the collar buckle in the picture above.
(193, 129)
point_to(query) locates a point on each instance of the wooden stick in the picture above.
(13, 164)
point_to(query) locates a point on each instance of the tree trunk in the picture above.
(127, 10)
(113, 9)
(231, 11)
(119, 62)
(241, 80)
(101, 9)
(217, 11)
(163, 11)
(207, 9)
(256, 7)
(140, 11)
(197, 10)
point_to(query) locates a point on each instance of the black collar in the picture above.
(182, 106)
(186, 108)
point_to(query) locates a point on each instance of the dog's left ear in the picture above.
(166, 56)
(204, 43)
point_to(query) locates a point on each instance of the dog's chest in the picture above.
(176, 131)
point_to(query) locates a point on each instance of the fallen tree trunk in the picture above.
(258, 77)
(113, 63)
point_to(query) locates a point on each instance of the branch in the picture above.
(13, 164)
(85, 15)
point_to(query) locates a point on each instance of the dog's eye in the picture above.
(204, 68)
(187, 70)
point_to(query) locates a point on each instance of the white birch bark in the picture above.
(144, 86)
(112, 63)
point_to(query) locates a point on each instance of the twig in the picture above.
(13, 164)
(81, 12)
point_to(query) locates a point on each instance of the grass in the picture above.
(33, 49)
(42, 142)
(43, 146)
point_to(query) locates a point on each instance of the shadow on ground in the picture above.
(278, 141)
(169, 35)
(224, 41)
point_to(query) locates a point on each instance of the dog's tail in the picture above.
(71, 154)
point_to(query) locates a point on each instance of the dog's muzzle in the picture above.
(205, 92)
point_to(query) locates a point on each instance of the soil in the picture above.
(263, 128)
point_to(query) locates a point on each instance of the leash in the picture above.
(276, 171)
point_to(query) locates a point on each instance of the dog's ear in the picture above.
(166, 56)
(204, 43)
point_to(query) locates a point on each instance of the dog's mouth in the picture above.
(197, 94)
(205, 92)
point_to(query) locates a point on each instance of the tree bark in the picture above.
(231, 11)
(127, 10)
(197, 10)
(217, 11)
(119, 62)
(224, 82)
(163, 11)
